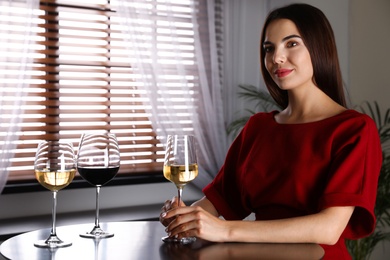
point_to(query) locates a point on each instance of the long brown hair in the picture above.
(317, 34)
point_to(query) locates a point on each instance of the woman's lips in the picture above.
(280, 73)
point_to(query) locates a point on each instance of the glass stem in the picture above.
(53, 213)
(179, 195)
(97, 207)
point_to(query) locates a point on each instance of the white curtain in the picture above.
(18, 17)
(243, 21)
(178, 91)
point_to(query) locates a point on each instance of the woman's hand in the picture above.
(195, 221)
(168, 205)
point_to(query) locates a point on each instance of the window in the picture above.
(81, 81)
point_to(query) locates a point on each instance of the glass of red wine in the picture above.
(98, 162)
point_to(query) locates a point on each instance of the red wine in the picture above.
(98, 176)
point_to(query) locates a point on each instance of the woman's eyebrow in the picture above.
(284, 39)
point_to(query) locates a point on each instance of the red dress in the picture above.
(289, 170)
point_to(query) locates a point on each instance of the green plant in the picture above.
(360, 249)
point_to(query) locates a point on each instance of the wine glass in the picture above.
(180, 167)
(98, 161)
(55, 168)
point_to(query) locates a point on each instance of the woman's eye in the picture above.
(267, 49)
(292, 44)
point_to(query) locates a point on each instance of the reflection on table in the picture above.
(214, 251)
(142, 240)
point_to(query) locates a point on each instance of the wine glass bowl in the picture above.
(98, 162)
(55, 169)
(180, 167)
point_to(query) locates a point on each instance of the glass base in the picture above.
(52, 242)
(97, 232)
(183, 240)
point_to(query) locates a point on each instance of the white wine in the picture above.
(55, 180)
(179, 175)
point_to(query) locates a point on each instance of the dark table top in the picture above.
(142, 240)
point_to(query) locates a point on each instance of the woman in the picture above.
(308, 172)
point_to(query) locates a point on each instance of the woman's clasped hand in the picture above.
(192, 221)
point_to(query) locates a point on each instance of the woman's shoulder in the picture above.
(354, 116)
(351, 124)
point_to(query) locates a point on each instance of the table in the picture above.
(142, 240)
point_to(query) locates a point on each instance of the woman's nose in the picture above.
(279, 56)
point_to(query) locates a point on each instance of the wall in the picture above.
(369, 51)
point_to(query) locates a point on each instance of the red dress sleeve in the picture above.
(354, 174)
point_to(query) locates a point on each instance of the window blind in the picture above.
(82, 81)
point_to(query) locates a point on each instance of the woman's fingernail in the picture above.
(163, 214)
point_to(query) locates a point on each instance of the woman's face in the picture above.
(286, 57)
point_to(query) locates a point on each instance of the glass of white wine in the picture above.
(55, 168)
(180, 167)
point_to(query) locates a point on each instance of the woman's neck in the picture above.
(311, 106)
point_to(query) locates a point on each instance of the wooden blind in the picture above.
(82, 81)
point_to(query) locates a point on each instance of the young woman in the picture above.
(308, 172)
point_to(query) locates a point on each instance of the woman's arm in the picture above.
(201, 220)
